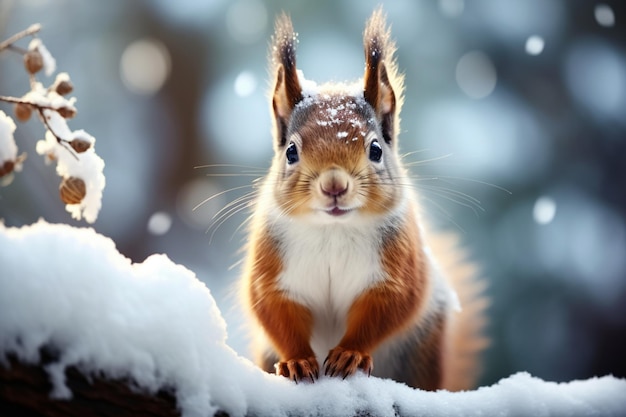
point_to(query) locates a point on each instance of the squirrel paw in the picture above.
(345, 362)
(298, 369)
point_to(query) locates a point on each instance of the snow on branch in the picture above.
(152, 330)
(77, 163)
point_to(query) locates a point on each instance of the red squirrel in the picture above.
(341, 274)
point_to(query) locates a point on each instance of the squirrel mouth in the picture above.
(336, 211)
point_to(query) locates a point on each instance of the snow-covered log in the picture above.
(84, 331)
(25, 391)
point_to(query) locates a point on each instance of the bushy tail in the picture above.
(465, 338)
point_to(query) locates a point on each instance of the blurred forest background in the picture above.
(527, 96)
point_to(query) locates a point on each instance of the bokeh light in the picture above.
(544, 210)
(451, 8)
(499, 139)
(246, 20)
(604, 15)
(534, 45)
(476, 74)
(145, 66)
(159, 223)
(232, 125)
(595, 73)
(245, 84)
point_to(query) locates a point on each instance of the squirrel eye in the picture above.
(376, 151)
(292, 153)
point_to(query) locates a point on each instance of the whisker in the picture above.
(497, 187)
(463, 196)
(247, 196)
(206, 200)
(242, 205)
(233, 175)
(250, 167)
(405, 181)
(236, 264)
(445, 213)
(407, 154)
(243, 223)
(426, 161)
(227, 212)
(462, 200)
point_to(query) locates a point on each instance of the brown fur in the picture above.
(287, 91)
(465, 339)
(384, 85)
(391, 307)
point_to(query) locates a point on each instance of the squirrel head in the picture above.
(336, 144)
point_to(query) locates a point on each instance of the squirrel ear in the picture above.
(382, 84)
(287, 91)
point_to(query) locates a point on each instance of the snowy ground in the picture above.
(157, 323)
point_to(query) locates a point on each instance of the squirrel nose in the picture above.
(334, 183)
(334, 189)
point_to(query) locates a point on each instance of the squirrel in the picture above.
(341, 273)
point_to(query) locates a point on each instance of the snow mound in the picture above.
(158, 324)
(8, 147)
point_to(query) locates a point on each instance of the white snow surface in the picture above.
(8, 147)
(158, 324)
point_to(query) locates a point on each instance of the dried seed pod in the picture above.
(63, 87)
(33, 61)
(22, 111)
(80, 145)
(66, 112)
(7, 168)
(72, 190)
(50, 157)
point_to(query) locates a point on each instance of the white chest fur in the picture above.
(326, 267)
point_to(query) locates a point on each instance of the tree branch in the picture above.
(40, 108)
(27, 32)
(15, 100)
(64, 142)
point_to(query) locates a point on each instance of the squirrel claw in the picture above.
(298, 369)
(344, 362)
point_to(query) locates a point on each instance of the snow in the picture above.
(49, 63)
(310, 89)
(333, 110)
(62, 76)
(72, 161)
(86, 165)
(42, 97)
(8, 147)
(156, 323)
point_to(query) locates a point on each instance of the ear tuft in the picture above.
(287, 92)
(383, 85)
